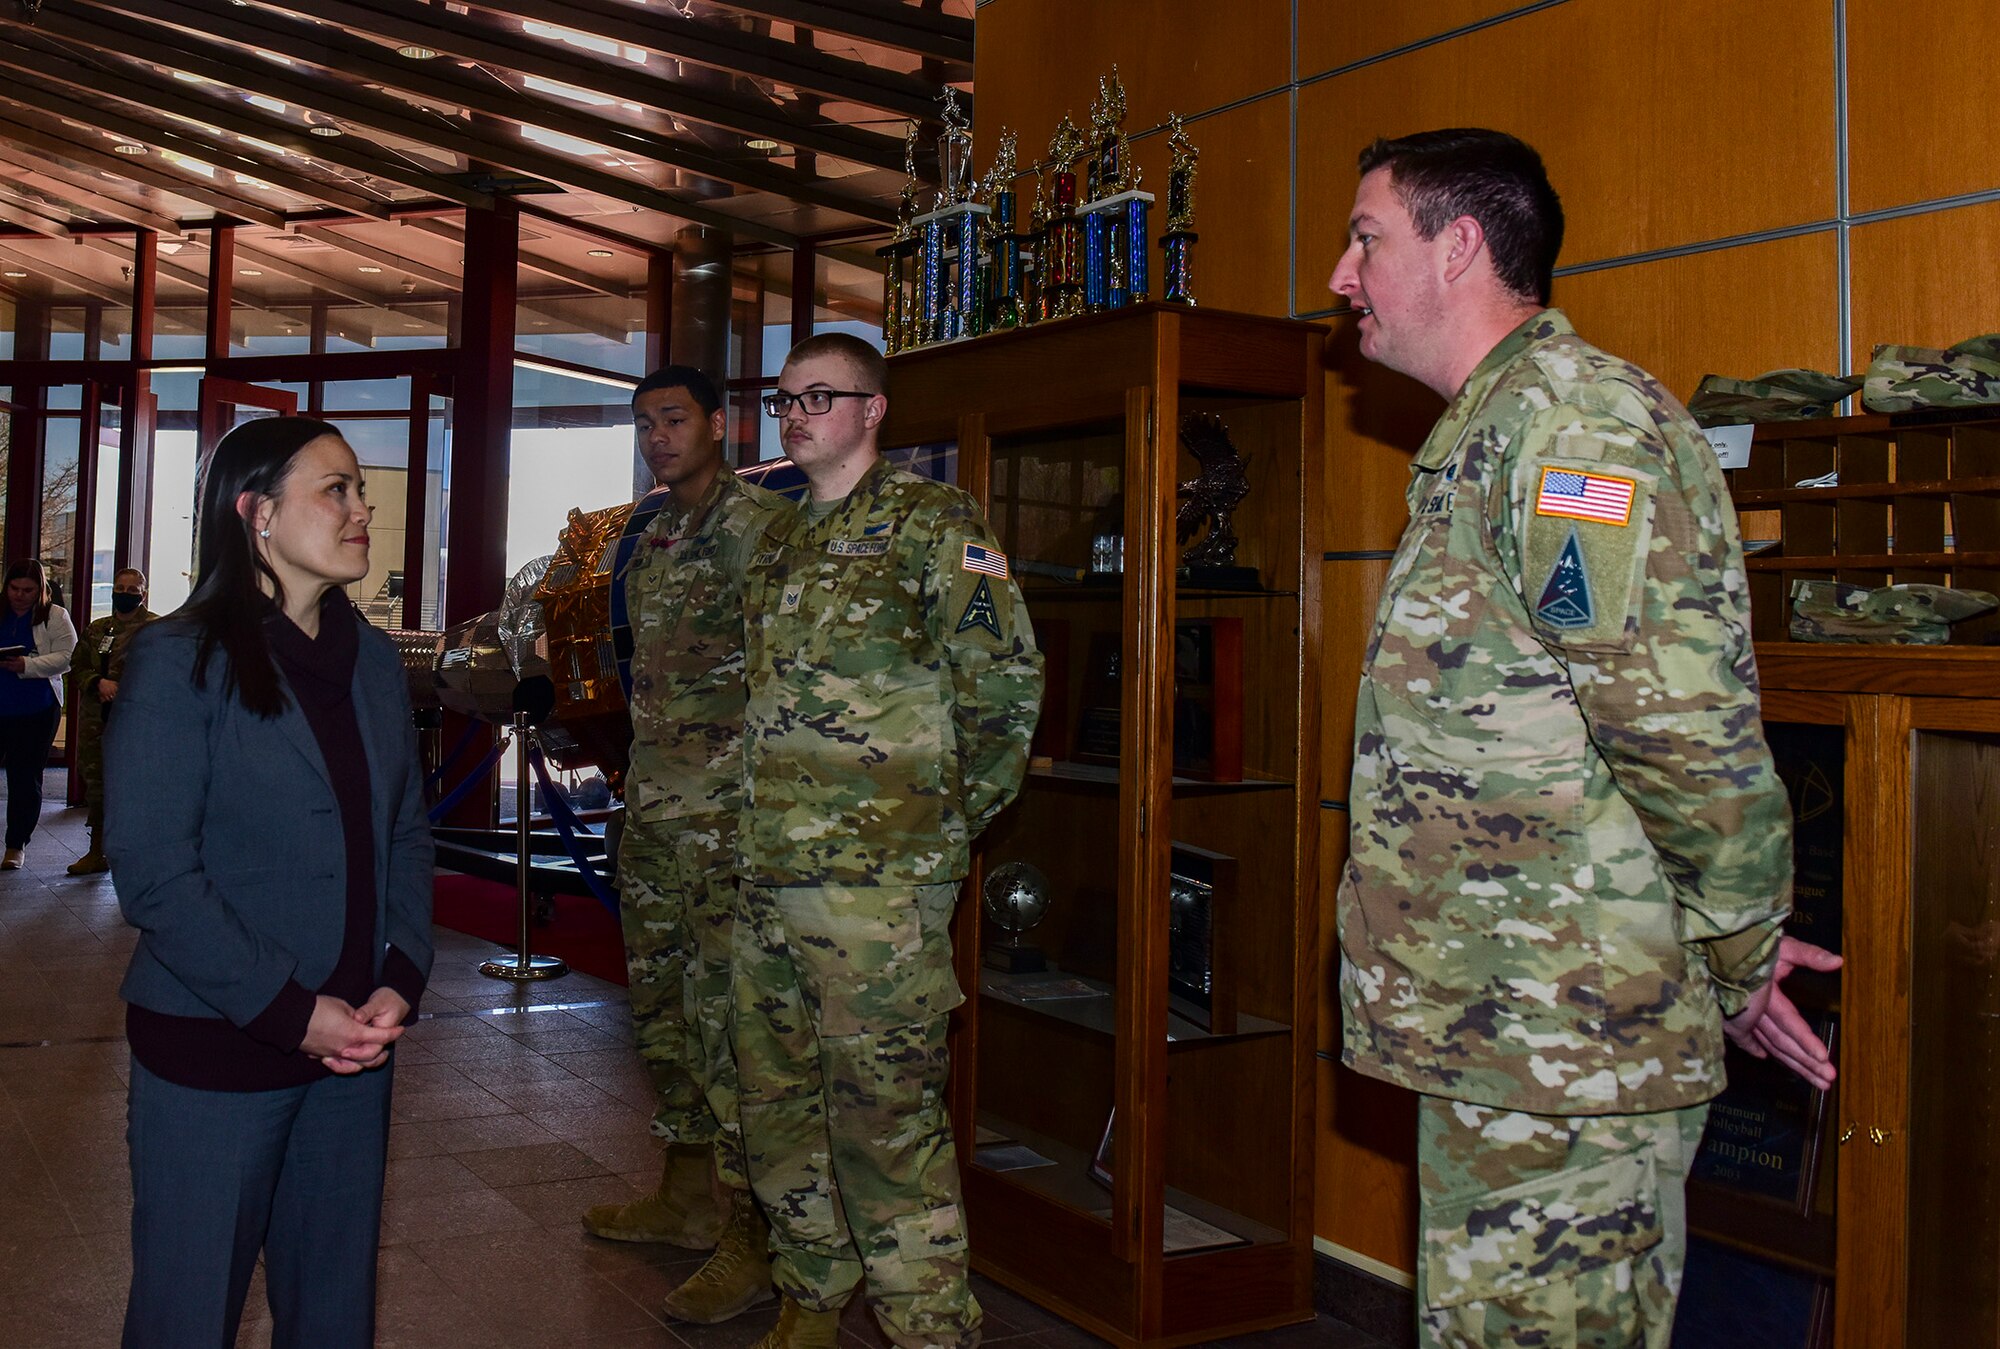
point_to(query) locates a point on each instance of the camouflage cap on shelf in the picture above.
(1778, 396)
(1904, 615)
(1903, 379)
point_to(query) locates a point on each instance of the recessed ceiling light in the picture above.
(366, 268)
(413, 325)
(416, 52)
(325, 129)
(765, 145)
(602, 253)
(15, 275)
(128, 148)
(248, 271)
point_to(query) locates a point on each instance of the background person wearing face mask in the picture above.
(100, 660)
(265, 821)
(41, 638)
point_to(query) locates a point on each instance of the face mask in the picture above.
(127, 604)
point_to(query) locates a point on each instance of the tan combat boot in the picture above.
(91, 863)
(798, 1328)
(683, 1211)
(736, 1278)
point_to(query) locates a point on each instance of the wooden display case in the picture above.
(1137, 1156)
(1905, 1219)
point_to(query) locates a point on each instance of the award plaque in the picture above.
(1201, 983)
(1208, 699)
(1101, 711)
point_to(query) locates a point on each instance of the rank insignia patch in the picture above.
(990, 561)
(1577, 495)
(1565, 603)
(979, 610)
(790, 603)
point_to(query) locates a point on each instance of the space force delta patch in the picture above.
(1575, 495)
(990, 561)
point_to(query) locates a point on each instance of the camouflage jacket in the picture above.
(100, 653)
(894, 684)
(1569, 847)
(684, 599)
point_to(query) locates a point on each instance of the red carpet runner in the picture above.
(583, 933)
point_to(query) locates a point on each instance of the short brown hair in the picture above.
(1496, 179)
(870, 369)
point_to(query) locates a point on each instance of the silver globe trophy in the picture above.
(1016, 897)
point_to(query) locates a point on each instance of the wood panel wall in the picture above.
(1717, 221)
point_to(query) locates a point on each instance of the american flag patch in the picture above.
(1585, 496)
(991, 561)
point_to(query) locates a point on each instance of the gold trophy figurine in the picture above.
(897, 327)
(1002, 245)
(1178, 242)
(1110, 166)
(1062, 284)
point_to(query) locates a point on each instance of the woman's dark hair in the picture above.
(32, 570)
(229, 605)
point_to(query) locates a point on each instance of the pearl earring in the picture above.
(263, 533)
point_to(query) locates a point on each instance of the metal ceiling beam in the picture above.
(940, 37)
(446, 230)
(724, 48)
(185, 275)
(97, 290)
(27, 86)
(19, 132)
(437, 276)
(29, 219)
(520, 53)
(75, 196)
(318, 48)
(274, 261)
(105, 36)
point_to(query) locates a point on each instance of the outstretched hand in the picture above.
(1771, 1025)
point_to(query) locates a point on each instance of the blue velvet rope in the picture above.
(567, 825)
(472, 779)
(444, 765)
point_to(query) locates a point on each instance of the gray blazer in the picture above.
(224, 835)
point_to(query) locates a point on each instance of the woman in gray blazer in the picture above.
(265, 824)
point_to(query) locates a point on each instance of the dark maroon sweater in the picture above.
(208, 1052)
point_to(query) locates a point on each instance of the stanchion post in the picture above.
(526, 966)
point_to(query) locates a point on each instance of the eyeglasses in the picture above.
(816, 402)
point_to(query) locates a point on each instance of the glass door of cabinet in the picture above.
(1053, 970)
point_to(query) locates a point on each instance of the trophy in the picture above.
(1178, 242)
(1015, 897)
(1003, 245)
(1210, 499)
(897, 302)
(1115, 216)
(1062, 240)
(948, 267)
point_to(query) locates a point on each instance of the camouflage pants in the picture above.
(677, 893)
(90, 762)
(842, 995)
(1557, 1232)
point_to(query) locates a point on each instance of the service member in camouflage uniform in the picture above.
(894, 685)
(683, 591)
(1570, 853)
(99, 662)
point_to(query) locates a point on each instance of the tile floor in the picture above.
(514, 1111)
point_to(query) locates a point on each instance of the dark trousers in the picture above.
(219, 1175)
(24, 745)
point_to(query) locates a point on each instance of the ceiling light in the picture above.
(128, 148)
(248, 271)
(602, 253)
(325, 129)
(366, 268)
(416, 52)
(765, 145)
(413, 325)
(15, 275)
